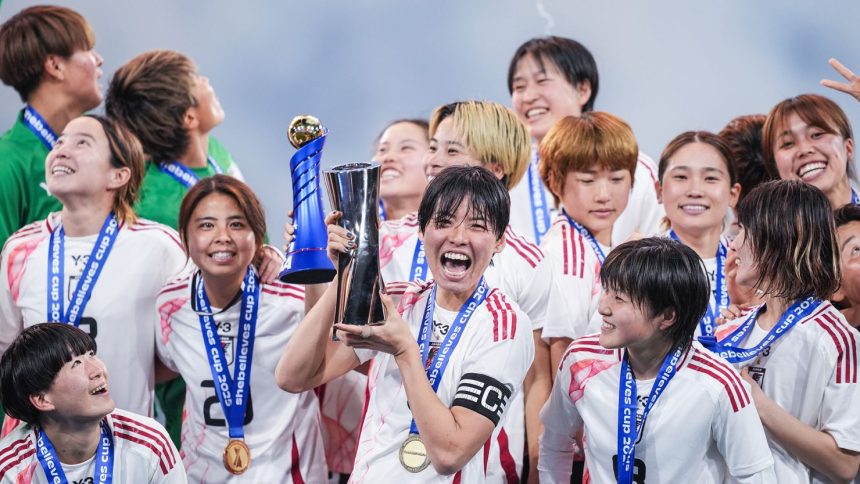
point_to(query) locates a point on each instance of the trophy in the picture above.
(354, 190)
(307, 258)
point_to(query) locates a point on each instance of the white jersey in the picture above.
(143, 453)
(494, 352)
(342, 407)
(703, 427)
(577, 274)
(523, 274)
(119, 313)
(811, 372)
(643, 213)
(282, 430)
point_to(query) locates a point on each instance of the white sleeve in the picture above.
(162, 321)
(561, 421)
(11, 318)
(651, 212)
(740, 437)
(569, 309)
(838, 415)
(538, 293)
(176, 475)
(766, 476)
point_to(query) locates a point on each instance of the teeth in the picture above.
(810, 168)
(694, 208)
(60, 169)
(389, 174)
(536, 112)
(456, 256)
(98, 389)
(221, 256)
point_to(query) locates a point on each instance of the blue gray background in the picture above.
(665, 66)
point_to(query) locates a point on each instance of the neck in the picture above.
(195, 156)
(452, 301)
(222, 289)
(840, 194)
(56, 113)
(704, 241)
(399, 207)
(647, 357)
(603, 237)
(852, 315)
(75, 442)
(774, 306)
(84, 217)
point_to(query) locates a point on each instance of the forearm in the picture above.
(555, 458)
(814, 448)
(313, 293)
(449, 446)
(302, 364)
(538, 384)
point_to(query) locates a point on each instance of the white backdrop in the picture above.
(356, 64)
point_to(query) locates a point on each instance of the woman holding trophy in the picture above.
(237, 421)
(423, 421)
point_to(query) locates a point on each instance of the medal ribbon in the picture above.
(419, 263)
(93, 268)
(452, 338)
(184, 174)
(587, 235)
(381, 210)
(728, 348)
(855, 199)
(232, 392)
(706, 325)
(54, 469)
(537, 197)
(628, 430)
(39, 127)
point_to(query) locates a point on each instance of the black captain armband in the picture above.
(482, 394)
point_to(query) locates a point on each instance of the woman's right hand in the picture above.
(340, 240)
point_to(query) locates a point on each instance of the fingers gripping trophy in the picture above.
(307, 261)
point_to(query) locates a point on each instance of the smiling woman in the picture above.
(400, 152)
(809, 138)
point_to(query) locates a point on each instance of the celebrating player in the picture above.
(847, 221)
(698, 187)
(400, 151)
(796, 350)
(47, 54)
(550, 78)
(237, 421)
(51, 378)
(809, 138)
(428, 421)
(655, 406)
(94, 264)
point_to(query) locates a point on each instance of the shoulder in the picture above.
(646, 166)
(836, 339)
(571, 252)
(520, 249)
(407, 224)
(506, 317)
(718, 375)
(176, 286)
(406, 294)
(283, 291)
(36, 231)
(17, 449)
(155, 232)
(588, 348)
(144, 435)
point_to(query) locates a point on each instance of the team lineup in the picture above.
(557, 306)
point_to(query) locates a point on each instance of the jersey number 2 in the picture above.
(212, 401)
(638, 469)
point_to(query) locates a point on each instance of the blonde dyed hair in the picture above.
(492, 132)
(594, 140)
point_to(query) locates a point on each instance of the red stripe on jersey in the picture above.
(25, 232)
(647, 167)
(731, 382)
(527, 246)
(581, 256)
(295, 470)
(503, 312)
(145, 443)
(293, 295)
(14, 450)
(495, 315)
(138, 227)
(846, 364)
(157, 442)
(457, 477)
(12, 463)
(531, 254)
(284, 285)
(486, 454)
(729, 374)
(565, 269)
(174, 287)
(506, 459)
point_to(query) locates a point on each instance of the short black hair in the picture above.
(660, 274)
(571, 58)
(488, 197)
(31, 364)
(846, 214)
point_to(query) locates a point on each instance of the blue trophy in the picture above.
(307, 258)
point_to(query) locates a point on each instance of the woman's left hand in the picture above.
(269, 262)
(392, 336)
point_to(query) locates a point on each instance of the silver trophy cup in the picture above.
(353, 189)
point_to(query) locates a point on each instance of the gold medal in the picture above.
(413, 454)
(237, 457)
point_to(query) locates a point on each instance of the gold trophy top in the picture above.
(304, 129)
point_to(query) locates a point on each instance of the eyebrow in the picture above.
(849, 239)
(687, 168)
(447, 142)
